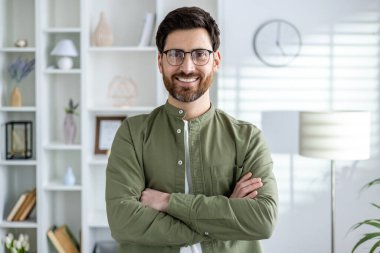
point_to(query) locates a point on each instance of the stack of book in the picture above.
(23, 207)
(63, 240)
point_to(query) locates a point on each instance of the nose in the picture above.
(187, 65)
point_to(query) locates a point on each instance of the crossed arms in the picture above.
(143, 216)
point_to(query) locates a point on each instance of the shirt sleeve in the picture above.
(129, 220)
(234, 219)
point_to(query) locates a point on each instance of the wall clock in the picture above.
(277, 43)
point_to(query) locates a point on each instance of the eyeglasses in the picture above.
(200, 57)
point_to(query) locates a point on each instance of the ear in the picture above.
(217, 60)
(159, 61)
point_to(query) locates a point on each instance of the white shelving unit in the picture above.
(46, 93)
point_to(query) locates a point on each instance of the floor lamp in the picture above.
(335, 135)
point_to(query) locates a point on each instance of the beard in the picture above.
(187, 94)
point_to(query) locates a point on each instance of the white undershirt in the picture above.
(195, 248)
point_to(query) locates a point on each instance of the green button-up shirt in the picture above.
(149, 152)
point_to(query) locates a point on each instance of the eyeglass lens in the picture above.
(199, 56)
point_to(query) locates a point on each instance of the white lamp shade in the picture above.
(337, 135)
(65, 48)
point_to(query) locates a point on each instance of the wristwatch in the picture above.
(276, 43)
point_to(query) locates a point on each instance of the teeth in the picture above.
(187, 80)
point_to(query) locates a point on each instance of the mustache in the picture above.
(186, 75)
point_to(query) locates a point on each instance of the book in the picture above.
(29, 205)
(147, 32)
(17, 206)
(53, 239)
(25, 208)
(67, 240)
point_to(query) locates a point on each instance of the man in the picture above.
(187, 177)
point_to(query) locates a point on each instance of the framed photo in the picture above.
(106, 127)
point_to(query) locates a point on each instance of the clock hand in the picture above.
(278, 39)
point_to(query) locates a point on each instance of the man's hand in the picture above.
(155, 199)
(246, 187)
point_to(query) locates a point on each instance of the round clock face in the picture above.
(277, 43)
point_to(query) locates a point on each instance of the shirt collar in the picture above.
(180, 113)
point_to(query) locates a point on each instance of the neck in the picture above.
(193, 109)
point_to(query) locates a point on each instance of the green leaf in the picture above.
(376, 181)
(372, 222)
(376, 245)
(375, 205)
(365, 238)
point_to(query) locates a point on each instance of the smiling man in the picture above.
(188, 177)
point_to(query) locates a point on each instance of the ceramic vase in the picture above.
(103, 35)
(69, 128)
(16, 97)
(69, 177)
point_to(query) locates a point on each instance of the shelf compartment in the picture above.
(18, 22)
(109, 66)
(53, 39)
(61, 88)
(63, 13)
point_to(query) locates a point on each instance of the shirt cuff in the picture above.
(180, 206)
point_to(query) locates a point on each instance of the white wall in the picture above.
(338, 69)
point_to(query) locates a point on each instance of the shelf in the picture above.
(19, 224)
(18, 162)
(99, 220)
(98, 162)
(63, 30)
(140, 109)
(123, 49)
(62, 146)
(18, 109)
(18, 49)
(55, 186)
(59, 71)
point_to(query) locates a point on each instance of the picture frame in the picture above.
(106, 127)
(19, 140)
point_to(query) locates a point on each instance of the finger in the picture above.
(252, 195)
(245, 177)
(248, 182)
(248, 189)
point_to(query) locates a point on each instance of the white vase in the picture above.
(69, 178)
(69, 128)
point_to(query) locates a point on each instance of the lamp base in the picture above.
(65, 63)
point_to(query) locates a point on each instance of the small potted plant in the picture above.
(21, 245)
(373, 223)
(18, 71)
(69, 125)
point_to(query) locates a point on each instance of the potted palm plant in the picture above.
(373, 223)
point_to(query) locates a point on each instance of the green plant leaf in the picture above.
(365, 238)
(375, 246)
(375, 205)
(372, 222)
(373, 182)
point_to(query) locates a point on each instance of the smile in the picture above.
(187, 80)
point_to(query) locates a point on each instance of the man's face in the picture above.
(188, 81)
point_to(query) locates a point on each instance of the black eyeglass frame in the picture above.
(188, 52)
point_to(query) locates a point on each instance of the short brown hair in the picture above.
(187, 18)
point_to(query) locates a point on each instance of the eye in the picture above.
(200, 54)
(175, 53)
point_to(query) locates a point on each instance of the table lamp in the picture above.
(335, 135)
(65, 49)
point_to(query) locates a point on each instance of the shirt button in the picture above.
(180, 111)
(178, 131)
(180, 162)
(206, 233)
